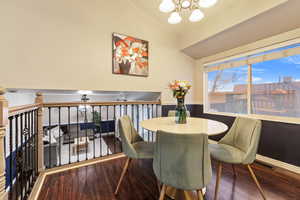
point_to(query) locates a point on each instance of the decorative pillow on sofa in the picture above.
(46, 140)
(55, 132)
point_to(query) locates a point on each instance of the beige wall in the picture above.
(276, 41)
(66, 44)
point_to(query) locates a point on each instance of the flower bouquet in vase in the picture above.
(180, 89)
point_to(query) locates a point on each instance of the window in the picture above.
(273, 86)
(276, 87)
(225, 93)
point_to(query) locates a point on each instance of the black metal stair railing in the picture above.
(76, 132)
(21, 162)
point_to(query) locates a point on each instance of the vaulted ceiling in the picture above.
(229, 24)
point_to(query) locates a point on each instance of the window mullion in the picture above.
(249, 90)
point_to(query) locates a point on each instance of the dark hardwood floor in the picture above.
(97, 182)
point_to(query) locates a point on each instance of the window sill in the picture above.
(291, 120)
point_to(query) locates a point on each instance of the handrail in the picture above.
(72, 104)
(24, 108)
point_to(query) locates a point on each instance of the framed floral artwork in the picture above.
(130, 55)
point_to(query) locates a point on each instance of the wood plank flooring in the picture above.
(97, 182)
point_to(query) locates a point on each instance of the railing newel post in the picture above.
(3, 125)
(40, 133)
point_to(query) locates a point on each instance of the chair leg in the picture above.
(158, 185)
(256, 182)
(200, 194)
(233, 169)
(123, 174)
(163, 192)
(218, 180)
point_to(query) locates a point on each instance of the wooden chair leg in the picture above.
(123, 174)
(233, 169)
(200, 194)
(256, 182)
(163, 192)
(158, 185)
(219, 173)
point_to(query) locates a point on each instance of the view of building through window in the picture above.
(275, 88)
(223, 95)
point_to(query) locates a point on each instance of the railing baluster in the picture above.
(100, 108)
(86, 130)
(26, 152)
(59, 133)
(107, 134)
(120, 115)
(16, 156)
(94, 130)
(49, 132)
(69, 134)
(143, 116)
(36, 144)
(77, 131)
(31, 149)
(11, 156)
(148, 117)
(22, 150)
(152, 114)
(115, 128)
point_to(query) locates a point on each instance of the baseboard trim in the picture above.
(41, 178)
(273, 162)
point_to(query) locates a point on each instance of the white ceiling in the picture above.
(230, 23)
(275, 21)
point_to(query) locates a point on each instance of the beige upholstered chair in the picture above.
(182, 161)
(238, 146)
(133, 145)
(172, 113)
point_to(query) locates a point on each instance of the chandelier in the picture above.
(176, 7)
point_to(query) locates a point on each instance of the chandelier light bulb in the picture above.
(196, 15)
(167, 6)
(186, 4)
(207, 3)
(174, 18)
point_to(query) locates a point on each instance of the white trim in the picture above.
(249, 88)
(291, 120)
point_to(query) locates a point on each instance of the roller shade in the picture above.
(255, 59)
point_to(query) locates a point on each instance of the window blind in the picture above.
(254, 59)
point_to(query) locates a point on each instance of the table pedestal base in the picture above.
(177, 194)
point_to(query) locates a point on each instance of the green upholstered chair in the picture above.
(133, 145)
(238, 146)
(172, 113)
(182, 161)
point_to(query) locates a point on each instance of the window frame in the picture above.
(206, 107)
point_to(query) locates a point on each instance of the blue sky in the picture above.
(270, 71)
(264, 72)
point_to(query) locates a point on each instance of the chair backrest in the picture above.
(182, 160)
(128, 136)
(244, 135)
(172, 113)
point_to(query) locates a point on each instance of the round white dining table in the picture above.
(193, 126)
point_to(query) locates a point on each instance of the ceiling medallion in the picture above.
(177, 6)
